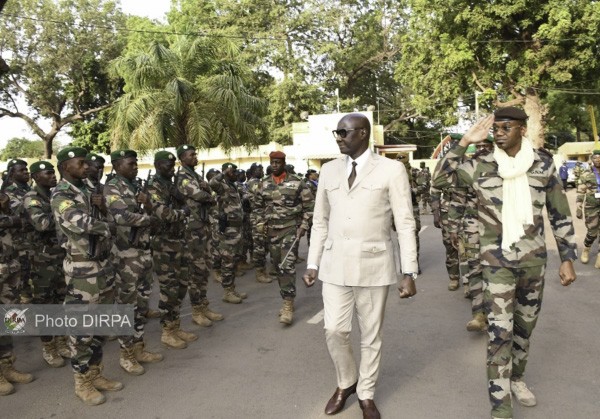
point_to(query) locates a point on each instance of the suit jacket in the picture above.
(351, 238)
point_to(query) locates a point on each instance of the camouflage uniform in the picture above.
(514, 279)
(423, 182)
(246, 243)
(259, 240)
(313, 189)
(89, 277)
(587, 189)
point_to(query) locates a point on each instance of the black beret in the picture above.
(510, 113)
(14, 162)
(227, 165)
(183, 148)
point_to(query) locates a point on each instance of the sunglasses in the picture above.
(504, 128)
(342, 133)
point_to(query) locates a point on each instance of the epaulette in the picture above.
(112, 181)
(62, 186)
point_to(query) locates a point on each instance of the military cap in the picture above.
(511, 114)
(595, 152)
(183, 148)
(40, 166)
(95, 157)
(163, 155)
(122, 154)
(69, 153)
(401, 157)
(255, 165)
(472, 148)
(228, 165)
(277, 155)
(14, 162)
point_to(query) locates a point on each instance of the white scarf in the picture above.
(517, 209)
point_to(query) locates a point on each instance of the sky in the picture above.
(15, 127)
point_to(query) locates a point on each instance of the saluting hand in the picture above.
(478, 132)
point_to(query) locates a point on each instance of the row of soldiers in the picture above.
(91, 243)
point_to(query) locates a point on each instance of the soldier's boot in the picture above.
(245, 265)
(85, 390)
(585, 255)
(11, 374)
(262, 277)
(477, 323)
(523, 395)
(153, 314)
(229, 295)
(209, 314)
(199, 318)
(51, 355)
(453, 285)
(129, 363)
(142, 355)
(100, 382)
(467, 291)
(62, 347)
(183, 335)
(286, 314)
(169, 337)
(239, 271)
(240, 294)
(6, 387)
(218, 276)
(597, 264)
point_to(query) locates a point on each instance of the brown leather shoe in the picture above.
(369, 409)
(338, 400)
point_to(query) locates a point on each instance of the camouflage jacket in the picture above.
(16, 193)
(169, 210)
(132, 225)
(39, 212)
(440, 191)
(198, 197)
(229, 204)
(254, 185)
(72, 213)
(9, 227)
(587, 189)
(462, 212)
(423, 181)
(481, 174)
(288, 204)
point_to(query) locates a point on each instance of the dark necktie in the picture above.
(352, 176)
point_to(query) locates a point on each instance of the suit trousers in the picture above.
(339, 305)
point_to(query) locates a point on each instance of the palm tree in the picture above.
(189, 93)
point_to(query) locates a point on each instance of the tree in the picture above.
(511, 50)
(57, 55)
(22, 148)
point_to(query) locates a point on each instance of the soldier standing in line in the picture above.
(168, 248)
(245, 247)
(131, 255)
(259, 239)
(95, 170)
(423, 181)
(10, 283)
(199, 199)
(18, 175)
(229, 219)
(280, 202)
(588, 198)
(88, 272)
(403, 158)
(213, 248)
(513, 185)
(47, 276)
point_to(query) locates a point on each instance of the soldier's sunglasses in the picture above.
(506, 128)
(342, 133)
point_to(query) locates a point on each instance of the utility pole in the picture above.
(477, 93)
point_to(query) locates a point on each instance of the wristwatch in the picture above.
(414, 275)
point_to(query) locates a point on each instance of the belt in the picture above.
(87, 258)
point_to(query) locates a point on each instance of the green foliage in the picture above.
(22, 148)
(93, 135)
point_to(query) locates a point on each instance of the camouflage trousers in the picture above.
(133, 285)
(172, 283)
(451, 252)
(25, 261)
(425, 200)
(246, 243)
(10, 291)
(259, 248)
(471, 270)
(229, 243)
(194, 259)
(513, 298)
(89, 282)
(213, 247)
(592, 224)
(280, 244)
(417, 217)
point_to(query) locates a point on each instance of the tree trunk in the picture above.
(536, 111)
(48, 140)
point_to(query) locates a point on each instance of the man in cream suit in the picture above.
(359, 197)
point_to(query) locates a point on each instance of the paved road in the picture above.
(249, 366)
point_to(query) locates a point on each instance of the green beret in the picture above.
(95, 157)
(511, 114)
(122, 154)
(40, 166)
(163, 155)
(69, 153)
(228, 165)
(183, 148)
(14, 162)
(595, 152)
(472, 148)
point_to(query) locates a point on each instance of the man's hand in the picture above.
(478, 132)
(309, 277)
(567, 273)
(579, 213)
(300, 233)
(4, 202)
(454, 240)
(407, 287)
(145, 200)
(99, 201)
(436, 219)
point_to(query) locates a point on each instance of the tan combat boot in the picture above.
(229, 295)
(169, 337)
(477, 323)
(218, 276)
(262, 276)
(85, 390)
(129, 363)
(142, 355)
(100, 382)
(6, 387)
(585, 255)
(183, 335)
(466, 291)
(153, 314)
(240, 294)
(597, 264)
(199, 318)
(51, 355)
(453, 285)
(62, 346)
(13, 375)
(245, 265)
(286, 314)
(208, 313)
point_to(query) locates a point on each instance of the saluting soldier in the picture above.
(588, 198)
(131, 209)
(88, 272)
(47, 276)
(282, 200)
(198, 198)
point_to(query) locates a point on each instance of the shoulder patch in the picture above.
(155, 197)
(185, 182)
(65, 205)
(111, 198)
(34, 203)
